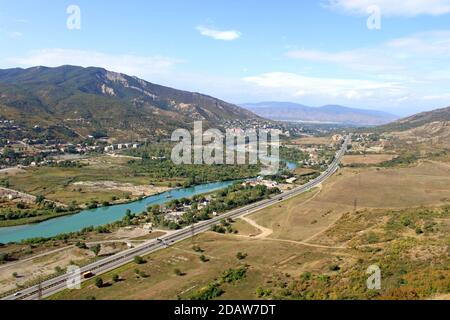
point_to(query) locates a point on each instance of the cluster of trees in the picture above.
(403, 160)
(214, 289)
(191, 174)
(156, 164)
(224, 227)
(67, 164)
(5, 257)
(41, 209)
(292, 155)
(234, 196)
(15, 158)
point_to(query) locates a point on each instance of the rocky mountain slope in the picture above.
(73, 100)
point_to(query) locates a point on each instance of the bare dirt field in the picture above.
(142, 190)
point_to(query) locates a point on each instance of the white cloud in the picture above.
(14, 34)
(409, 8)
(228, 35)
(297, 85)
(141, 66)
(402, 58)
(11, 34)
(364, 60)
(404, 73)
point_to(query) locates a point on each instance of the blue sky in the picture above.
(311, 52)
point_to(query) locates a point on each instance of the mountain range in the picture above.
(71, 100)
(288, 111)
(418, 120)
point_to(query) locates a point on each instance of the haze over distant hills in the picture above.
(74, 101)
(287, 111)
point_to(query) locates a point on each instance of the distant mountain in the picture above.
(418, 120)
(430, 130)
(75, 101)
(287, 111)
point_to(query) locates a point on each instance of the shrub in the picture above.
(334, 267)
(139, 260)
(212, 291)
(99, 282)
(241, 256)
(178, 272)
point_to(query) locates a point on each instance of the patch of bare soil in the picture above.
(142, 190)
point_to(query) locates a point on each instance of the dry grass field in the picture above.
(368, 159)
(60, 184)
(319, 247)
(311, 141)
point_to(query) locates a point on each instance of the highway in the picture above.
(57, 284)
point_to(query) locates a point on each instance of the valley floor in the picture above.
(316, 246)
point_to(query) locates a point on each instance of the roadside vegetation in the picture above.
(200, 208)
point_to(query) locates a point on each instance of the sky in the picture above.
(373, 54)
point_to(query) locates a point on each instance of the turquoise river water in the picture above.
(104, 215)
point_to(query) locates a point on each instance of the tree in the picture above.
(4, 257)
(99, 282)
(40, 199)
(96, 249)
(156, 209)
(116, 278)
(203, 258)
(139, 260)
(241, 256)
(81, 245)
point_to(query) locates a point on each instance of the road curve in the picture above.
(58, 284)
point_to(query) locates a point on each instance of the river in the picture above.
(105, 215)
(100, 216)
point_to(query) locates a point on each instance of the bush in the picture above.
(178, 272)
(234, 275)
(261, 293)
(197, 249)
(334, 267)
(140, 273)
(139, 260)
(81, 245)
(116, 278)
(212, 291)
(96, 249)
(4, 257)
(241, 256)
(99, 282)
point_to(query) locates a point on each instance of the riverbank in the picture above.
(100, 216)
